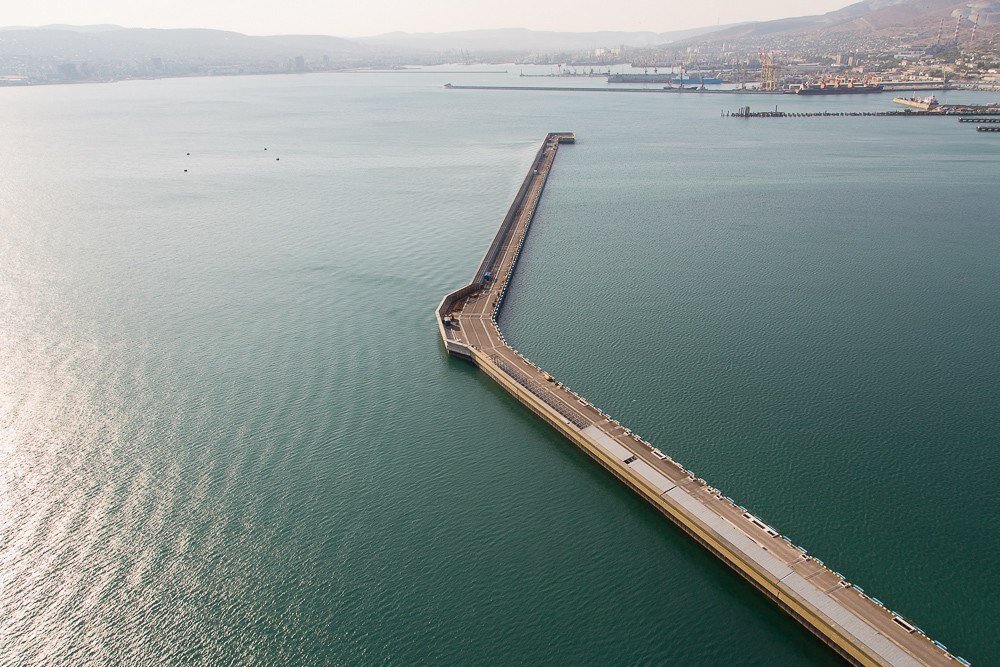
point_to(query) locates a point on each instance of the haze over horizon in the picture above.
(262, 17)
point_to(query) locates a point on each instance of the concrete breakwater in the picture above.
(665, 89)
(936, 112)
(856, 626)
(578, 89)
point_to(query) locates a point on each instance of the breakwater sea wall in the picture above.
(659, 89)
(857, 626)
(936, 112)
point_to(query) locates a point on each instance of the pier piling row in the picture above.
(856, 626)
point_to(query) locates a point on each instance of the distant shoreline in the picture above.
(970, 86)
(677, 91)
(576, 89)
(406, 71)
(35, 84)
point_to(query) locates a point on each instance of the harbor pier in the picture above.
(858, 627)
(936, 112)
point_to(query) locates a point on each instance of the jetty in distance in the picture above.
(961, 110)
(701, 90)
(858, 627)
(617, 89)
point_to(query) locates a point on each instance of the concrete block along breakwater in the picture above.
(858, 627)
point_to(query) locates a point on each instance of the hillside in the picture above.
(111, 43)
(911, 19)
(523, 40)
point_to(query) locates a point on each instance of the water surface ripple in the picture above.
(229, 435)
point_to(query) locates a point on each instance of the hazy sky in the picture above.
(369, 17)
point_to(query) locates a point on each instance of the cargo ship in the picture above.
(924, 104)
(640, 78)
(838, 88)
(711, 80)
(662, 78)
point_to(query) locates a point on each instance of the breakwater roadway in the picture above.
(855, 625)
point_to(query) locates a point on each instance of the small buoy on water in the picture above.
(189, 154)
(185, 171)
(277, 158)
(265, 147)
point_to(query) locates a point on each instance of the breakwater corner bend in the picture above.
(856, 626)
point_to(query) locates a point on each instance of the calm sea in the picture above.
(229, 434)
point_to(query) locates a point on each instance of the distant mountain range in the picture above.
(913, 19)
(62, 26)
(110, 42)
(523, 40)
(113, 43)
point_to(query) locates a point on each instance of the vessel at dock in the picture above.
(707, 80)
(640, 78)
(663, 78)
(924, 103)
(839, 88)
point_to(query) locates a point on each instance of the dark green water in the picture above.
(229, 435)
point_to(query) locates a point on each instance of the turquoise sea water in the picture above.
(229, 434)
